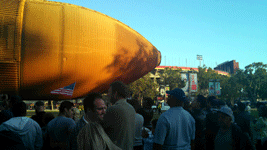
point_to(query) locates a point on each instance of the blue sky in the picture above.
(219, 30)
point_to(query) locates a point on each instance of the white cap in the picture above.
(228, 111)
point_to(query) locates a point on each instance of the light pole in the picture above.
(199, 57)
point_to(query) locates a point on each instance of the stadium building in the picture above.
(228, 66)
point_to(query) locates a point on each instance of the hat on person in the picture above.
(228, 111)
(177, 93)
(39, 103)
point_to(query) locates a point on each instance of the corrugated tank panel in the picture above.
(8, 16)
(10, 39)
(8, 78)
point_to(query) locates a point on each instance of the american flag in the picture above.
(67, 90)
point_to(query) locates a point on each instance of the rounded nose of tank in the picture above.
(159, 57)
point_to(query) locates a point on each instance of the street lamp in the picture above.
(199, 57)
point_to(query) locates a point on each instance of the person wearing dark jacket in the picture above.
(199, 113)
(26, 128)
(212, 125)
(7, 113)
(11, 140)
(243, 119)
(39, 110)
(229, 136)
(147, 112)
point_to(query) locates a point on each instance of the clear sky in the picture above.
(219, 30)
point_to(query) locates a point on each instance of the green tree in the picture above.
(171, 77)
(203, 82)
(144, 87)
(232, 87)
(255, 80)
(204, 76)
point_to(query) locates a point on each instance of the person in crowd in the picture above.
(235, 110)
(147, 112)
(159, 108)
(210, 104)
(229, 104)
(199, 113)
(221, 103)
(264, 145)
(95, 109)
(3, 100)
(2, 118)
(3, 106)
(212, 125)
(76, 114)
(93, 137)
(248, 108)
(46, 119)
(60, 128)
(260, 128)
(188, 105)
(11, 141)
(10, 102)
(39, 113)
(243, 119)
(148, 136)
(139, 122)
(28, 130)
(119, 121)
(229, 136)
(176, 127)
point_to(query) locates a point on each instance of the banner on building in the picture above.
(184, 77)
(211, 88)
(193, 82)
(217, 88)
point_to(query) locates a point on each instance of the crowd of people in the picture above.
(125, 124)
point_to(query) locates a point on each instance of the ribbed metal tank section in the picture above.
(10, 17)
(47, 45)
(8, 78)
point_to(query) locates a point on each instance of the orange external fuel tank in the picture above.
(47, 45)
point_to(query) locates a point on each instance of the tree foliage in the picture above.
(232, 88)
(144, 87)
(204, 76)
(147, 87)
(255, 80)
(250, 83)
(171, 77)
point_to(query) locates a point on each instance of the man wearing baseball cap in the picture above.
(229, 136)
(175, 128)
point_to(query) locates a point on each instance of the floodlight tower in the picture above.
(199, 57)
